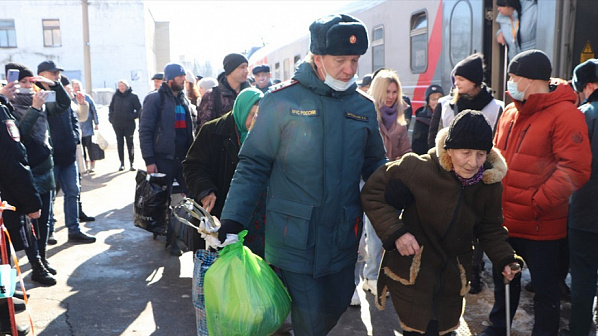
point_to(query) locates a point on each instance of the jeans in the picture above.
(373, 247)
(42, 226)
(584, 265)
(68, 177)
(318, 303)
(124, 133)
(542, 258)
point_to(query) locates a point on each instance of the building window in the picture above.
(8, 34)
(460, 34)
(378, 48)
(419, 42)
(52, 33)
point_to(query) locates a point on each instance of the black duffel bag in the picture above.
(95, 152)
(151, 202)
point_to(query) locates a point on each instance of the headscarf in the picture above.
(243, 104)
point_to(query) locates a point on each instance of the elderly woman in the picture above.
(448, 197)
(124, 108)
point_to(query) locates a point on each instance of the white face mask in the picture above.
(516, 94)
(338, 85)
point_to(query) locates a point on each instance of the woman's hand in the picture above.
(208, 202)
(80, 98)
(500, 38)
(407, 245)
(511, 270)
(39, 98)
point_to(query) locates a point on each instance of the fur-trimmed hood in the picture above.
(495, 165)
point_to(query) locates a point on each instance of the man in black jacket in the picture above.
(64, 132)
(166, 132)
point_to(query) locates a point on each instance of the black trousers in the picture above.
(124, 133)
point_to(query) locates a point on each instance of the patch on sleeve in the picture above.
(304, 113)
(13, 130)
(577, 137)
(355, 116)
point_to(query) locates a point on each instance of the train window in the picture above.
(419, 42)
(378, 48)
(460, 34)
(277, 70)
(296, 60)
(286, 69)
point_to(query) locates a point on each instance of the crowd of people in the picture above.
(309, 156)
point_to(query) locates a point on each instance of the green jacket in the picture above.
(444, 217)
(311, 146)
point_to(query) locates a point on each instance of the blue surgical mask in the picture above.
(338, 85)
(516, 94)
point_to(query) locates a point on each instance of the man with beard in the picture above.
(166, 131)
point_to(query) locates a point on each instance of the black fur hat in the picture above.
(338, 34)
(584, 73)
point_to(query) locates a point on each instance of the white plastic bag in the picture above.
(101, 141)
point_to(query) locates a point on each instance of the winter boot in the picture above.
(40, 274)
(476, 280)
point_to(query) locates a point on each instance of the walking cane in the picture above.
(514, 267)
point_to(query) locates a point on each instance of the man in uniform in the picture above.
(261, 75)
(313, 141)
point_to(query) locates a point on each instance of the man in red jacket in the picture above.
(544, 139)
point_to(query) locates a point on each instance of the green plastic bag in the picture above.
(243, 295)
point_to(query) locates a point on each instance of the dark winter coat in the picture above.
(157, 136)
(210, 166)
(64, 133)
(124, 108)
(210, 108)
(16, 181)
(583, 211)
(419, 142)
(310, 145)
(444, 217)
(33, 126)
(545, 143)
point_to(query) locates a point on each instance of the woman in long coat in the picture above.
(448, 197)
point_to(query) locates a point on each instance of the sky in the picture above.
(212, 29)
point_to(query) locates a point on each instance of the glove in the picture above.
(228, 226)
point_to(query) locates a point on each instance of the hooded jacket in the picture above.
(310, 145)
(444, 217)
(583, 212)
(209, 108)
(545, 143)
(124, 108)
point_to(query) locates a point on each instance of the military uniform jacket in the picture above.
(311, 145)
(16, 180)
(444, 217)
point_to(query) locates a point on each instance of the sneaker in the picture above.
(355, 301)
(81, 238)
(121, 168)
(19, 295)
(370, 286)
(84, 218)
(52, 240)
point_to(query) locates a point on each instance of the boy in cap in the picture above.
(166, 133)
(364, 83)
(544, 139)
(261, 75)
(220, 99)
(313, 141)
(583, 211)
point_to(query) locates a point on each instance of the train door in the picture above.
(463, 34)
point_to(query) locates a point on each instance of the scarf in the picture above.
(243, 104)
(388, 115)
(472, 180)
